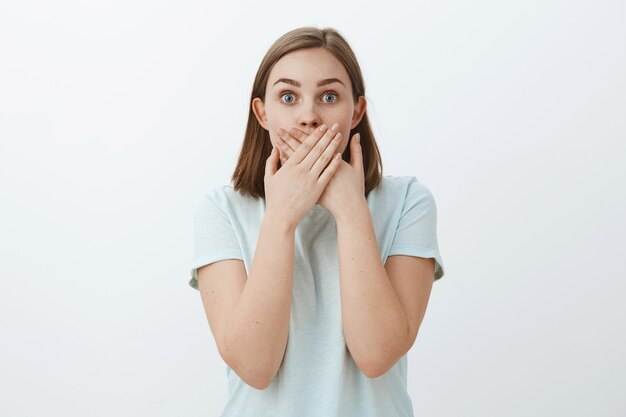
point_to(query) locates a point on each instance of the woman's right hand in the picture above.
(292, 190)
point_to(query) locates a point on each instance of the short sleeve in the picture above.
(416, 234)
(214, 237)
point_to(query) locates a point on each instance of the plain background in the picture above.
(117, 116)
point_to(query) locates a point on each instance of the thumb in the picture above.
(356, 153)
(271, 163)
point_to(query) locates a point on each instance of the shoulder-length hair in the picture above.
(248, 176)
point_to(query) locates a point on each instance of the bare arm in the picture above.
(252, 325)
(255, 337)
(374, 324)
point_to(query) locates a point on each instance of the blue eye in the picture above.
(288, 93)
(331, 94)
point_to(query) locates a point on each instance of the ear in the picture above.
(258, 107)
(359, 110)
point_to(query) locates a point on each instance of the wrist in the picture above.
(278, 223)
(350, 212)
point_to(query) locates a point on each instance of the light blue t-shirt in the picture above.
(318, 377)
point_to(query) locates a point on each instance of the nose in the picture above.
(309, 120)
(309, 126)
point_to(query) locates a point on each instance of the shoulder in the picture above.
(221, 195)
(397, 189)
(228, 200)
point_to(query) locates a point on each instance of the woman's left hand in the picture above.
(346, 189)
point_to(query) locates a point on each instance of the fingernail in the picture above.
(335, 126)
(358, 138)
(322, 128)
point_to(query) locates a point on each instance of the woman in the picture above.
(314, 269)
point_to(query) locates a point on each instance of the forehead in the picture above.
(308, 66)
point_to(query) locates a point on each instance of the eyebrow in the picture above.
(320, 83)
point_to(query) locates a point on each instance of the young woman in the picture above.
(314, 269)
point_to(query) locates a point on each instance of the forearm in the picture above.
(374, 323)
(256, 335)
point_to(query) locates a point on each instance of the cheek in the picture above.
(343, 145)
(273, 131)
(274, 140)
(345, 136)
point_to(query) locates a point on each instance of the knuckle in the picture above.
(318, 148)
(319, 135)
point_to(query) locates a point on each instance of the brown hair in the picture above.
(248, 177)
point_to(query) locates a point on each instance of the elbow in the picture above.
(256, 367)
(374, 370)
(258, 383)
(255, 379)
(250, 373)
(371, 368)
(377, 365)
(261, 380)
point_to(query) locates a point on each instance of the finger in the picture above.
(298, 134)
(285, 150)
(308, 144)
(271, 163)
(320, 146)
(281, 157)
(288, 145)
(326, 157)
(330, 170)
(356, 152)
(289, 139)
